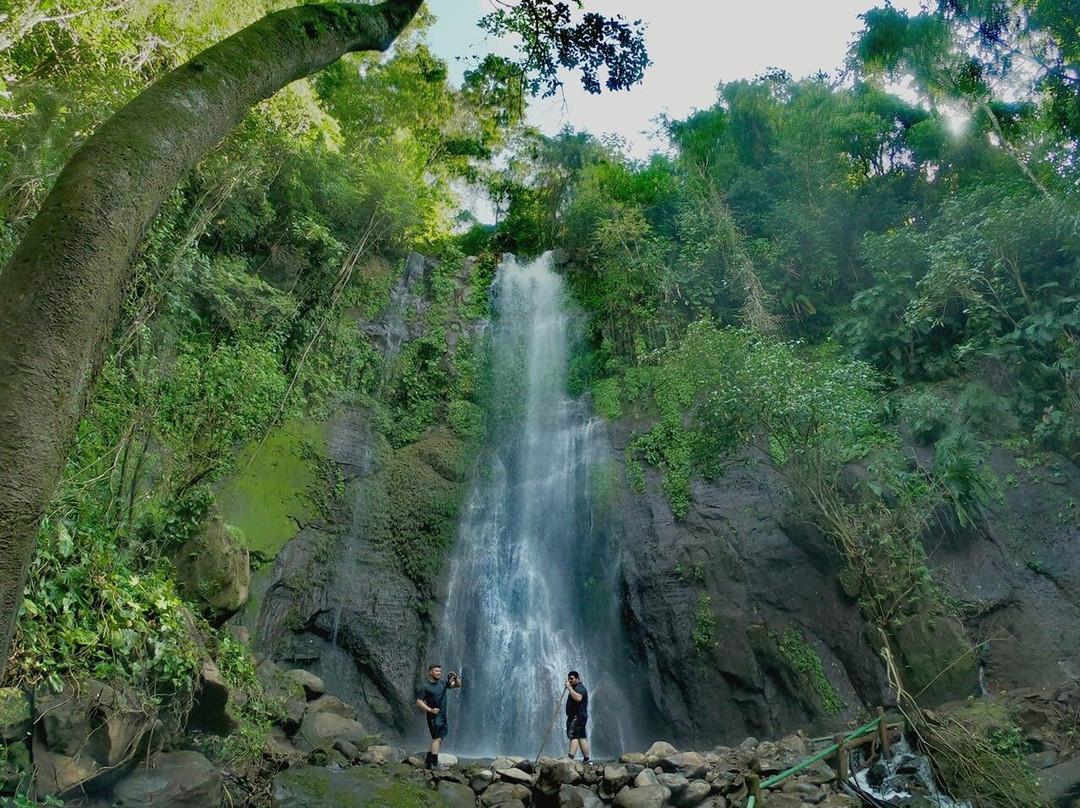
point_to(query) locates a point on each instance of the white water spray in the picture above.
(531, 593)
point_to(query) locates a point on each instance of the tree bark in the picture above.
(61, 292)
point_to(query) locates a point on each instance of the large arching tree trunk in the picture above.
(61, 292)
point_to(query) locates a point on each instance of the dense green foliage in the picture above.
(807, 211)
(817, 275)
(867, 293)
(244, 314)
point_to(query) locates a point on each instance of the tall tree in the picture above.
(978, 56)
(61, 292)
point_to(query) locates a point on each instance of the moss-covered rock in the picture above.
(937, 663)
(410, 508)
(16, 714)
(979, 753)
(359, 787)
(16, 770)
(214, 569)
(270, 494)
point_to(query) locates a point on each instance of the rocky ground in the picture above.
(92, 748)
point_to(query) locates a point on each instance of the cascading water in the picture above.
(531, 593)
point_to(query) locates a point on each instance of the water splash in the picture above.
(532, 588)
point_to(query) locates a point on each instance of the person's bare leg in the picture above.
(585, 749)
(573, 748)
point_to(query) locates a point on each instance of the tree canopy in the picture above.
(62, 289)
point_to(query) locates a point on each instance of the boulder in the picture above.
(456, 795)
(695, 793)
(323, 730)
(503, 793)
(318, 787)
(675, 782)
(647, 777)
(16, 714)
(330, 704)
(615, 777)
(794, 745)
(348, 749)
(481, 779)
(715, 802)
(780, 799)
(88, 737)
(766, 766)
(804, 790)
(314, 687)
(688, 764)
(1061, 781)
(212, 711)
(643, 797)
(214, 569)
(661, 749)
(16, 769)
(554, 774)
(451, 775)
(58, 774)
(286, 696)
(571, 796)
(819, 772)
(174, 779)
(379, 755)
(516, 775)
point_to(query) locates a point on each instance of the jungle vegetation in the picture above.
(815, 268)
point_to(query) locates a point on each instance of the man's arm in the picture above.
(433, 710)
(573, 693)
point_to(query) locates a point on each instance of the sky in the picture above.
(694, 45)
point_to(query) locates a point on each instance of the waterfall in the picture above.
(532, 586)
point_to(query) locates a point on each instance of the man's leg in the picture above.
(432, 758)
(439, 733)
(573, 748)
(585, 749)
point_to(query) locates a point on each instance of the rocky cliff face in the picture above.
(732, 606)
(335, 602)
(1017, 575)
(718, 602)
(735, 613)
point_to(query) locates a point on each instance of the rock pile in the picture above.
(89, 742)
(662, 776)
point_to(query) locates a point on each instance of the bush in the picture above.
(93, 611)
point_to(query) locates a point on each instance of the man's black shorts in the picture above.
(437, 725)
(575, 727)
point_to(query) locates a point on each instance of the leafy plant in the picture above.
(703, 634)
(803, 658)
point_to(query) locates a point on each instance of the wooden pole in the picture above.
(841, 757)
(753, 784)
(883, 728)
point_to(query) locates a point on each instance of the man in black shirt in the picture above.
(577, 714)
(432, 700)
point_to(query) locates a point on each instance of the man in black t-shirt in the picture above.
(432, 700)
(577, 714)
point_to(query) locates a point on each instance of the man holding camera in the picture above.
(432, 700)
(577, 714)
